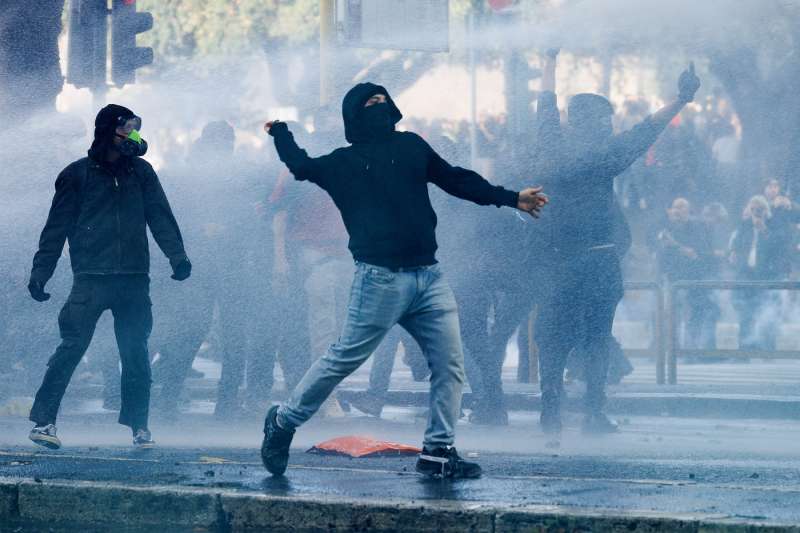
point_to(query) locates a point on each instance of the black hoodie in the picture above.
(380, 185)
(104, 210)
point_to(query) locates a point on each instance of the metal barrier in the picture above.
(672, 352)
(665, 321)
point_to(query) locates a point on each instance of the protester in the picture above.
(757, 253)
(687, 254)
(102, 207)
(379, 184)
(582, 268)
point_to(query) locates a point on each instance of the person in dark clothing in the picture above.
(102, 207)
(619, 366)
(581, 267)
(686, 253)
(380, 185)
(758, 252)
(217, 195)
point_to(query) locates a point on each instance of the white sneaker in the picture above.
(45, 436)
(143, 440)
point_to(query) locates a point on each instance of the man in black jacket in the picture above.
(380, 185)
(578, 252)
(102, 207)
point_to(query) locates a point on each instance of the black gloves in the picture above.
(36, 288)
(182, 270)
(688, 84)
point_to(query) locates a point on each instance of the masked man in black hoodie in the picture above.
(102, 207)
(578, 247)
(380, 185)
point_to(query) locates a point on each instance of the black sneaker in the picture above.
(143, 440)
(275, 446)
(45, 436)
(599, 424)
(550, 420)
(444, 463)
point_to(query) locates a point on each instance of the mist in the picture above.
(247, 309)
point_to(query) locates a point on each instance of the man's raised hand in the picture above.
(531, 200)
(688, 84)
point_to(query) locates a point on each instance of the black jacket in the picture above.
(103, 213)
(381, 186)
(677, 266)
(579, 179)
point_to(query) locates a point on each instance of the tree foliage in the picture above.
(198, 28)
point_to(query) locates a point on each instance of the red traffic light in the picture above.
(128, 2)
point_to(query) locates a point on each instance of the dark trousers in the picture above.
(485, 347)
(578, 312)
(127, 296)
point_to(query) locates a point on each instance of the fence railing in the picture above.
(669, 311)
(664, 347)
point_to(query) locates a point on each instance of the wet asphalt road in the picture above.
(723, 477)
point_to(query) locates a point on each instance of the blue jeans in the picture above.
(420, 300)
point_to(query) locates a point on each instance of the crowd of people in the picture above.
(270, 265)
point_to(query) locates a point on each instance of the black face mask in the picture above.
(377, 121)
(130, 148)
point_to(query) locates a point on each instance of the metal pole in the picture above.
(672, 363)
(658, 333)
(533, 347)
(473, 91)
(327, 37)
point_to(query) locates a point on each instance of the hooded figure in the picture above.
(103, 206)
(380, 185)
(108, 120)
(580, 248)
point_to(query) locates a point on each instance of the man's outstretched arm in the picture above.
(297, 160)
(469, 185)
(632, 144)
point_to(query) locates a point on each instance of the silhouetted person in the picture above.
(758, 252)
(686, 254)
(582, 274)
(103, 206)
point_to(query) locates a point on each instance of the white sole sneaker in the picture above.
(48, 441)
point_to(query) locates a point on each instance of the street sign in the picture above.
(394, 24)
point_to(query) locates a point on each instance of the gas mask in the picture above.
(132, 144)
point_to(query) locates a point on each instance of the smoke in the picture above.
(640, 25)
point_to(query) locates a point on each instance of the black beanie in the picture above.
(104, 125)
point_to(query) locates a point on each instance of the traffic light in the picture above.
(126, 57)
(86, 51)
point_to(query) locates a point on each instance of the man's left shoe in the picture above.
(445, 463)
(599, 424)
(143, 440)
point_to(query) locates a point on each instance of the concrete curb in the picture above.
(91, 504)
